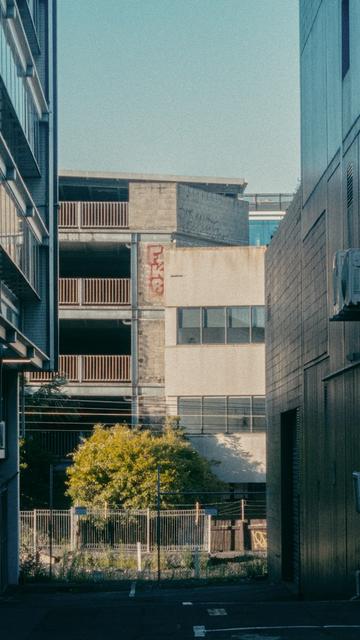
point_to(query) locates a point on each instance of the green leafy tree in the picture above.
(118, 467)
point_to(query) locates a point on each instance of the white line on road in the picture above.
(281, 628)
(187, 604)
(199, 631)
(217, 612)
(132, 590)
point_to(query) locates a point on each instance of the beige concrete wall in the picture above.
(209, 215)
(214, 276)
(227, 276)
(192, 370)
(240, 458)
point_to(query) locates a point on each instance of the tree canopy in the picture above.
(117, 466)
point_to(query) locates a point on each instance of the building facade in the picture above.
(28, 232)
(215, 356)
(266, 211)
(313, 362)
(113, 232)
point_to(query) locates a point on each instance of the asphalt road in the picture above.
(245, 612)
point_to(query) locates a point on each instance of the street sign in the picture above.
(80, 511)
(210, 511)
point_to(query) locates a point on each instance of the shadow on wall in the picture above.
(237, 457)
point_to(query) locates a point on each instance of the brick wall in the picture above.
(151, 341)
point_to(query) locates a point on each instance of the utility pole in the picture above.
(51, 481)
(158, 539)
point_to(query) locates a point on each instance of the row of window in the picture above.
(221, 325)
(221, 414)
(12, 74)
(17, 238)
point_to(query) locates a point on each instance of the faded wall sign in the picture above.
(155, 261)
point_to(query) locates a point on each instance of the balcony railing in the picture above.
(94, 215)
(94, 291)
(78, 369)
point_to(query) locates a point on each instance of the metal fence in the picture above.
(115, 529)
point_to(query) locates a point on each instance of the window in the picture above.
(213, 325)
(261, 231)
(189, 325)
(239, 414)
(238, 324)
(214, 415)
(221, 325)
(257, 324)
(258, 413)
(345, 37)
(190, 410)
(220, 414)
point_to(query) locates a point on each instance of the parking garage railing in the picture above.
(94, 291)
(88, 368)
(93, 215)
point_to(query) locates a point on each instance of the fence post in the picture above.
(72, 528)
(209, 533)
(138, 550)
(242, 509)
(148, 530)
(35, 531)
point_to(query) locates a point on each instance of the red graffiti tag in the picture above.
(155, 260)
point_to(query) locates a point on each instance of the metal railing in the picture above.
(58, 442)
(116, 529)
(88, 368)
(93, 215)
(94, 291)
(267, 201)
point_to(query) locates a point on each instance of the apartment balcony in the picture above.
(93, 215)
(95, 298)
(90, 374)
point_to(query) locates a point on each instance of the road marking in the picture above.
(187, 604)
(199, 631)
(132, 590)
(217, 612)
(282, 628)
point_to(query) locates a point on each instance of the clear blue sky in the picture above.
(188, 87)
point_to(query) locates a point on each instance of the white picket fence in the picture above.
(115, 529)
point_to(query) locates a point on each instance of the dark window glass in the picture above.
(258, 410)
(189, 325)
(214, 415)
(239, 411)
(258, 324)
(345, 36)
(190, 414)
(214, 325)
(238, 324)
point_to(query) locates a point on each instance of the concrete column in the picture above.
(134, 328)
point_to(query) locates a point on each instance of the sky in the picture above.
(185, 87)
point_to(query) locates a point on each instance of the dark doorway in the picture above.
(290, 495)
(3, 540)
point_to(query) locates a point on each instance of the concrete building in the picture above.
(266, 211)
(313, 381)
(215, 356)
(113, 231)
(28, 230)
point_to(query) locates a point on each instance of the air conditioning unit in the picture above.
(346, 284)
(338, 299)
(2, 440)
